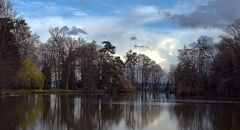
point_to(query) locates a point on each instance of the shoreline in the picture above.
(64, 91)
(48, 91)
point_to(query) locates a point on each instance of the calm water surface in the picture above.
(140, 111)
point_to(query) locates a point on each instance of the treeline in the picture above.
(74, 63)
(66, 62)
(17, 46)
(210, 68)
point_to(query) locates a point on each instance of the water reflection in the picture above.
(147, 111)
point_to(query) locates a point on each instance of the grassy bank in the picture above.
(54, 91)
(64, 91)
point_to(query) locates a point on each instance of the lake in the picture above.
(138, 111)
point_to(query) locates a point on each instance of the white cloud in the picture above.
(80, 13)
(145, 14)
(146, 10)
(163, 47)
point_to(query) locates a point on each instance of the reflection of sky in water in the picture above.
(164, 122)
(140, 111)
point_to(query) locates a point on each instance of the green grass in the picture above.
(50, 91)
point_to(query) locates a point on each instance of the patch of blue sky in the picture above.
(96, 7)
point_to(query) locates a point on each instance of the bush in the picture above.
(126, 86)
(29, 76)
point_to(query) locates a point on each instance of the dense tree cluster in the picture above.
(65, 61)
(16, 43)
(142, 71)
(29, 75)
(70, 63)
(211, 68)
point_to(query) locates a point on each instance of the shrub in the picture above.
(29, 76)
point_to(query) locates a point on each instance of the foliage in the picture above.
(29, 75)
(25, 39)
(9, 54)
(126, 86)
(16, 42)
(110, 67)
(65, 62)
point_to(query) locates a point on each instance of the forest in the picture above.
(210, 68)
(67, 62)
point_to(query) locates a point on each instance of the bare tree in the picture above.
(87, 60)
(145, 63)
(25, 39)
(156, 75)
(131, 59)
(6, 10)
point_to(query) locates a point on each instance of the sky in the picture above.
(157, 28)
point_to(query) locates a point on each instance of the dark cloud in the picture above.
(210, 41)
(216, 14)
(73, 31)
(133, 38)
(65, 29)
(141, 46)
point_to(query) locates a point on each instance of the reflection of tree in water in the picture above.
(225, 116)
(92, 112)
(61, 113)
(192, 117)
(105, 111)
(208, 116)
(100, 112)
(141, 114)
(20, 114)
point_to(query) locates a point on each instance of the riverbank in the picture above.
(55, 91)
(64, 91)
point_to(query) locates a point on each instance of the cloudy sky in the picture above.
(157, 28)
